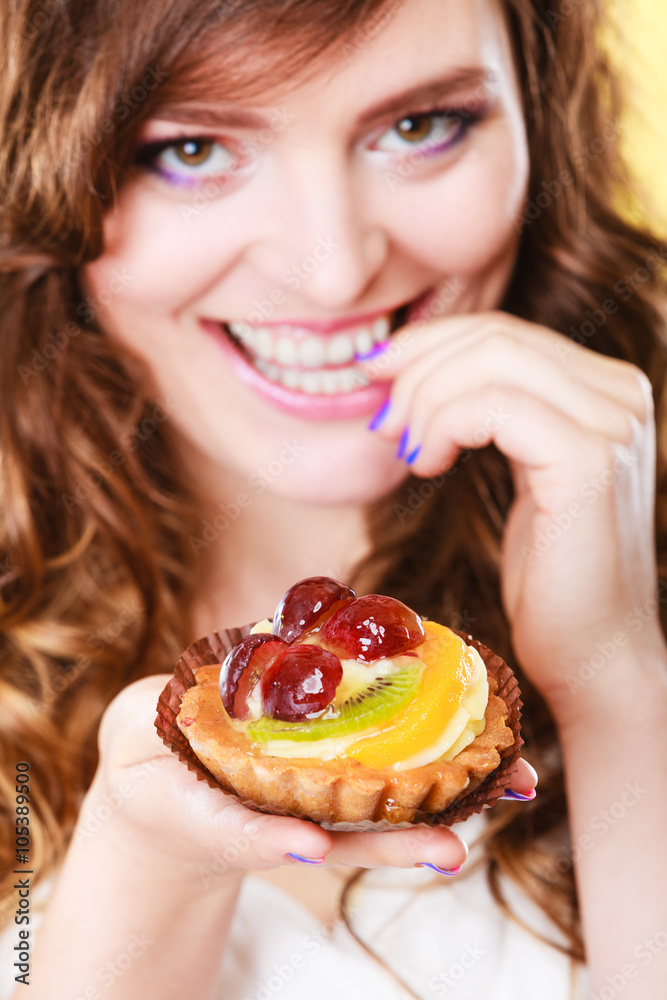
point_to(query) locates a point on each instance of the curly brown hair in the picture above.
(96, 574)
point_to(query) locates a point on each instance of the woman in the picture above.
(213, 212)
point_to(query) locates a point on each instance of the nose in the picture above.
(325, 243)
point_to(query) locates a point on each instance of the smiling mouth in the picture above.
(305, 360)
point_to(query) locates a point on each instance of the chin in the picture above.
(341, 483)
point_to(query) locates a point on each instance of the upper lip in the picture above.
(327, 325)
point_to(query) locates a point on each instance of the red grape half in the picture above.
(373, 627)
(305, 603)
(300, 683)
(242, 668)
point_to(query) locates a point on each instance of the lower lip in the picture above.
(360, 403)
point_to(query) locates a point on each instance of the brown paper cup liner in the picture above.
(481, 791)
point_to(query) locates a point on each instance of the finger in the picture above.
(620, 381)
(420, 845)
(127, 734)
(521, 780)
(528, 431)
(498, 361)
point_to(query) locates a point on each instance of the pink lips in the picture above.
(360, 403)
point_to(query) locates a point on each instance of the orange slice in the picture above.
(449, 671)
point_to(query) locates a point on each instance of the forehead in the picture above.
(400, 43)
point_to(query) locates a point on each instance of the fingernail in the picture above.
(412, 457)
(511, 794)
(403, 444)
(441, 871)
(380, 416)
(374, 352)
(307, 861)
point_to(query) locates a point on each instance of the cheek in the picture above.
(466, 222)
(157, 255)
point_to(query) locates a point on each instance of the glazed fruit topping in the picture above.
(372, 627)
(297, 668)
(243, 667)
(371, 705)
(306, 603)
(300, 682)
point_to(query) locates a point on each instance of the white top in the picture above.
(445, 937)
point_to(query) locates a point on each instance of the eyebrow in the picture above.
(431, 90)
(219, 116)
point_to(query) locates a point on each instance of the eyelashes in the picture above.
(430, 132)
(189, 161)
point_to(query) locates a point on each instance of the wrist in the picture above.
(137, 853)
(624, 689)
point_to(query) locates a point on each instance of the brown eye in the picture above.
(193, 152)
(415, 128)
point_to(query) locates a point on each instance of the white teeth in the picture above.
(281, 353)
(341, 350)
(311, 382)
(350, 380)
(363, 342)
(290, 378)
(262, 342)
(312, 352)
(381, 329)
(287, 352)
(330, 382)
(242, 331)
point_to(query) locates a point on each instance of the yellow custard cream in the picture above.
(456, 717)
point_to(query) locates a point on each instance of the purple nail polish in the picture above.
(413, 456)
(380, 416)
(374, 352)
(511, 794)
(306, 861)
(403, 444)
(441, 871)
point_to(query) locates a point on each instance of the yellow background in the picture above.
(640, 50)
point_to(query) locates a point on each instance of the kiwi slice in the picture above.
(379, 700)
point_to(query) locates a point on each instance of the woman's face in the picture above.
(258, 249)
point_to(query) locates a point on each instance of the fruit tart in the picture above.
(350, 711)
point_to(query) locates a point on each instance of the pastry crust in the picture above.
(337, 790)
(338, 794)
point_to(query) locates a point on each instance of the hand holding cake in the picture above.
(349, 711)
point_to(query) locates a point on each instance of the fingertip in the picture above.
(290, 836)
